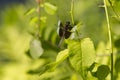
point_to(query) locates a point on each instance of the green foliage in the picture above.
(62, 56)
(49, 8)
(78, 62)
(82, 55)
(35, 33)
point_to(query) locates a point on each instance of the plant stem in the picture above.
(38, 24)
(72, 11)
(110, 37)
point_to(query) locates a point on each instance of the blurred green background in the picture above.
(15, 37)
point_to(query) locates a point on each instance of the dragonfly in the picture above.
(64, 31)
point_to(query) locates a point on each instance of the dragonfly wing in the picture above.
(60, 29)
(61, 33)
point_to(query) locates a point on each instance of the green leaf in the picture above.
(34, 20)
(43, 19)
(30, 11)
(62, 55)
(36, 49)
(102, 72)
(82, 55)
(49, 8)
(88, 51)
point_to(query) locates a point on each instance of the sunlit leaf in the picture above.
(49, 8)
(43, 19)
(34, 20)
(62, 56)
(30, 11)
(36, 49)
(88, 51)
(82, 55)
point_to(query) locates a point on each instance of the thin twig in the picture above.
(38, 24)
(72, 11)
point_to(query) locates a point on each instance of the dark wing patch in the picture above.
(67, 34)
(61, 33)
